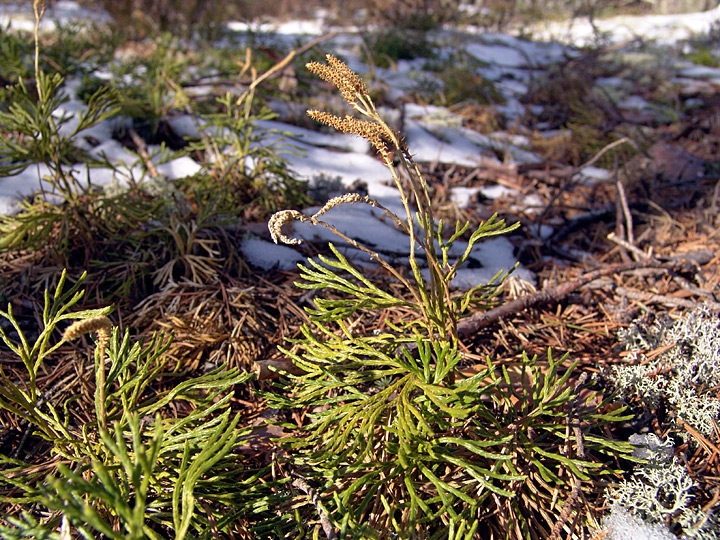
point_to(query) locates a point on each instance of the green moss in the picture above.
(704, 57)
(387, 47)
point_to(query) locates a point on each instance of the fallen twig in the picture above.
(472, 324)
(622, 201)
(629, 246)
(325, 522)
(143, 153)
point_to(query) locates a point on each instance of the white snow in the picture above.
(463, 196)
(622, 525)
(20, 16)
(432, 133)
(179, 168)
(595, 173)
(664, 28)
(264, 254)
(498, 54)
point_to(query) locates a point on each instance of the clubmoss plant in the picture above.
(146, 230)
(36, 134)
(396, 441)
(147, 457)
(148, 87)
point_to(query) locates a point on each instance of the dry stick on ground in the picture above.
(684, 283)
(622, 199)
(623, 211)
(472, 324)
(666, 300)
(142, 151)
(327, 525)
(629, 246)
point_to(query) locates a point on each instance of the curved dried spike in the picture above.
(278, 220)
(347, 74)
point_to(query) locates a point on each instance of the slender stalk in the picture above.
(39, 10)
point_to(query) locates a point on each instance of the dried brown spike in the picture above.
(348, 198)
(100, 324)
(344, 78)
(376, 134)
(347, 74)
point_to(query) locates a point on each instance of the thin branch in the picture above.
(325, 521)
(142, 152)
(622, 199)
(629, 246)
(472, 324)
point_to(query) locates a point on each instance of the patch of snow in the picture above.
(511, 88)
(179, 168)
(512, 109)
(19, 16)
(8, 205)
(693, 87)
(352, 143)
(497, 191)
(634, 102)
(509, 51)
(622, 525)
(613, 82)
(495, 255)
(266, 255)
(463, 196)
(668, 29)
(498, 54)
(544, 231)
(292, 28)
(531, 204)
(695, 71)
(114, 152)
(359, 221)
(184, 125)
(595, 173)
(430, 142)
